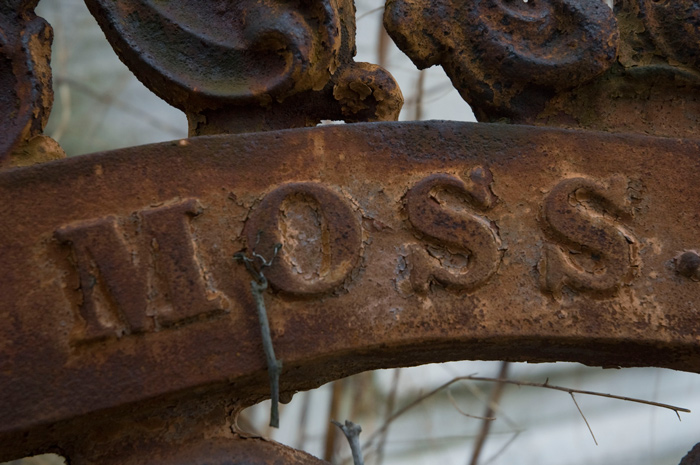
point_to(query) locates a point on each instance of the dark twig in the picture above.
(383, 41)
(490, 410)
(258, 286)
(301, 432)
(420, 85)
(462, 412)
(370, 12)
(334, 408)
(274, 366)
(504, 447)
(352, 432)
(391, 401)
(67, 83)
(545, 385)
(382, 429)
(579, 391)
(584, 417)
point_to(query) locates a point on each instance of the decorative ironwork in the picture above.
(26, 95)
(402, 243)
(242, 66)
(566, 63)
(507, 58)
(138, 272)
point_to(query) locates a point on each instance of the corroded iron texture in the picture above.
(402, 245)
(672, 26)
(693, 456)
(568, 63)
(26, 95)
(217, 450)
(507, 58)
(245, 66)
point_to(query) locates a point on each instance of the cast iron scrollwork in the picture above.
(675, 28)
(507, 57)
(240, 66)
(567, 63)
(26, 95)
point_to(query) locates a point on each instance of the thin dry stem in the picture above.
(584, 417)
(420, 86)
(462, 412)
(496, 393)
(258, 286)
(63, 90)
(370, 12)
(503, 449)
(391, 402)
(352, 433)
(336, 396)
(301, 433)
(67, 84)
(383, 42)
(545, 385)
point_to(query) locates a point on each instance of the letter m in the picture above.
(143, 280)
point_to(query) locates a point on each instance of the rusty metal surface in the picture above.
(565, 63)
(210, 451)
(26, 95)
(246, 66)
(693, 456)
(404, 244)
(128, 334)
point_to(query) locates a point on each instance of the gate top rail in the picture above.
(368, 245)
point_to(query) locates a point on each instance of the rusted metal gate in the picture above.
(568, 235)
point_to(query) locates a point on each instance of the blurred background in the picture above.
(99, 105)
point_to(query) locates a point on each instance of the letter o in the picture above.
(339, 242)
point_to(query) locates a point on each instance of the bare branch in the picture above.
(579, 391)
(301, 432)
(584, 417)
(370, 12)
(258, 287)
(66, 84)
(505, 446)
(420, 85)
(391, 401)
(486, 425)
(462, 412)
(352, 432)
(336, 396)
(546, 385)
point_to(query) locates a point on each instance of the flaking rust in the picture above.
(129, 333)
(564, 63)
(286, 65)
(26, 95)
(480, 249)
